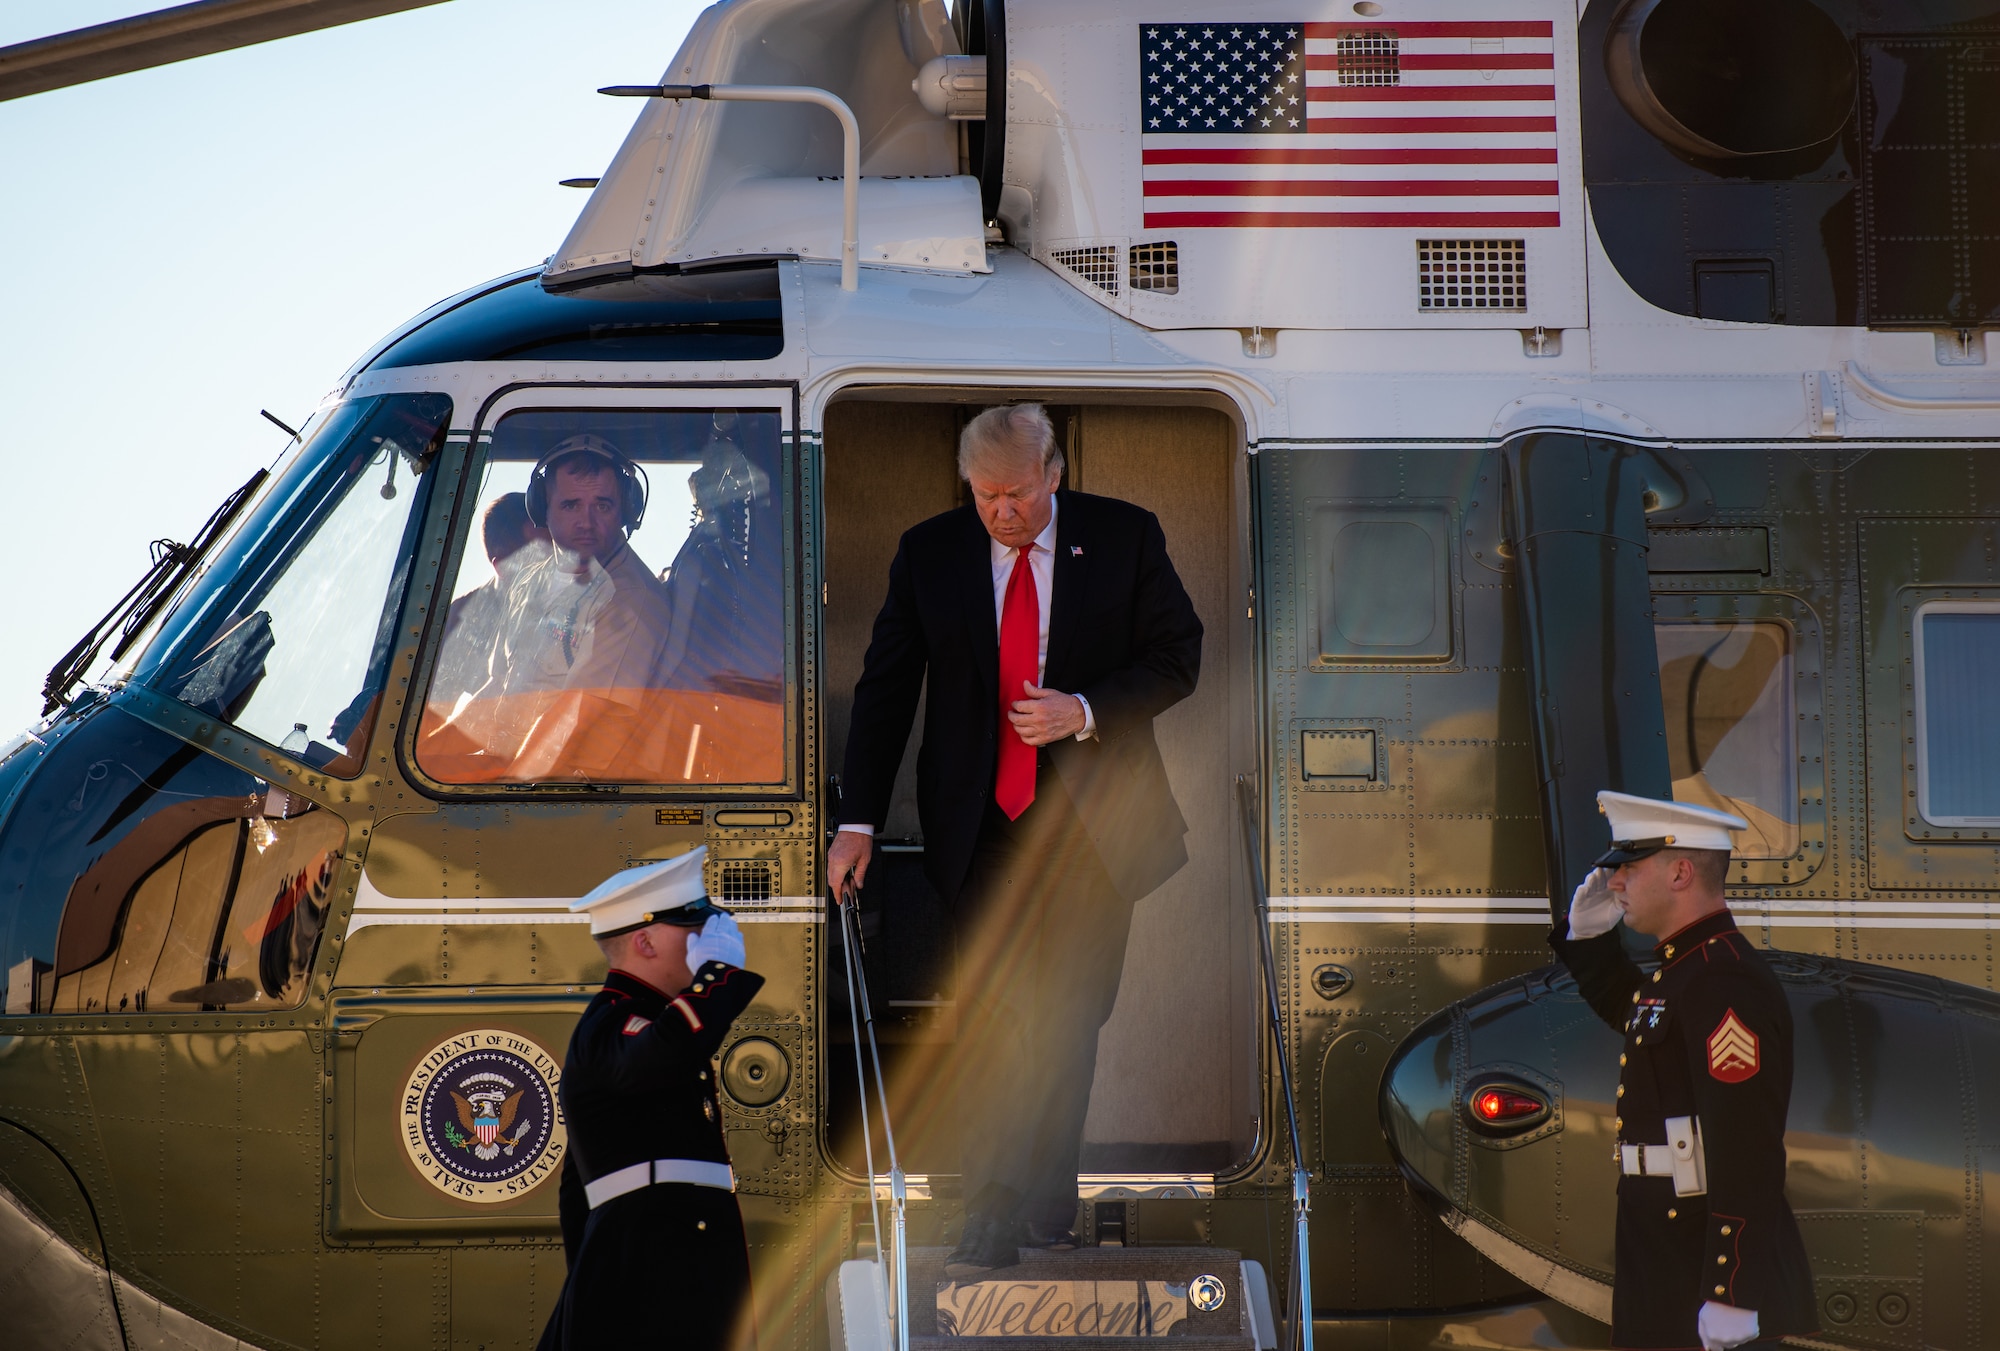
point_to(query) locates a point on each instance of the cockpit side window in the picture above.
(1732, 739)
(618, 614)
(298, 653)
(145, 876)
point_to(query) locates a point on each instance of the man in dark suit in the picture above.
(1052, 630)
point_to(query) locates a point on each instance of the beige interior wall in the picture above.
(888, 466)
(1176, 1061)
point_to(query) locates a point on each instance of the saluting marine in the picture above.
(647, 1157)
(1708, 1252)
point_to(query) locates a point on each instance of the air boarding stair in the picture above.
(1089, 1299)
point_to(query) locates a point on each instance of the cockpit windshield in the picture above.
(618, 614)
(298, 653)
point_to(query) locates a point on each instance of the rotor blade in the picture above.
(168, 35)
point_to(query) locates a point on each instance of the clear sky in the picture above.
(187, 245)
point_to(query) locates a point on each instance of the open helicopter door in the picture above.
(607, 682)
(1177, 1094)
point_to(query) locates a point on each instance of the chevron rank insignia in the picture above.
(1732, 1050)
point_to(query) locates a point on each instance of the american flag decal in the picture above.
(1343, 125)
(1732, 1050)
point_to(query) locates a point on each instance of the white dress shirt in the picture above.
(1042, 564)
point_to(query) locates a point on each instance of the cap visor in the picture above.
(1628, 851)
(690, 916)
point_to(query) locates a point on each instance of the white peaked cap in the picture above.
(1646, 821)
(669, 892)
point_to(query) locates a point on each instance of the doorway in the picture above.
(1177, 1086)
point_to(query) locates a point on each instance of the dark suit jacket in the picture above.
(1122, 633)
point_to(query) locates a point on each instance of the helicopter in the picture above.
(1536, 399)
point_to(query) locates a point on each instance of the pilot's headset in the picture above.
(633, 486)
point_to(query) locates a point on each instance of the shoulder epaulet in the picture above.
(1718, 949)
(1726, 948)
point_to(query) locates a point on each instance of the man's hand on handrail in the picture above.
(847, 862)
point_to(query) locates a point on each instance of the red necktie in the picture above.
(1020, 643)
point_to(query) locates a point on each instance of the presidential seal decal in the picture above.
(481, 1119)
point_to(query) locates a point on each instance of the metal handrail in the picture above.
(1302, 1309)
(895, 1260)
(850, 143)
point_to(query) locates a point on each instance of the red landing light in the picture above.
(1497, 1105)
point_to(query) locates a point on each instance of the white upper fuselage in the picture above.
(1346, 351)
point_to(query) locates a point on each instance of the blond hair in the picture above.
(1009, 437)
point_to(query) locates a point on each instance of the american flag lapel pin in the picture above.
(1076, 551)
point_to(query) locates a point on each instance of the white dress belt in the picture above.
(1647, 1160)
(696, 1172)
(1682, 1158)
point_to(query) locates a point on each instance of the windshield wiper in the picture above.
(172, 564)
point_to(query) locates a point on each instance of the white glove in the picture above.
(1722, 1326)
(1593, 910)
(719, 940)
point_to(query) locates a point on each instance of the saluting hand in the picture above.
(1594, 909)
(719, 939)
(1045, 715)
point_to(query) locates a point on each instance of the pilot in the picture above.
(590, 617)
(513, 543)
(647, 1164)
(1707, 1251)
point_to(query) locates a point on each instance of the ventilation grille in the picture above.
(744, 881)
(1367, 56)
(1097, 264)
(1156, 267)
(1472, 274)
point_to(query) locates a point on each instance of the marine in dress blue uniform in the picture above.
(648, 1200)
(1708, 1253)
